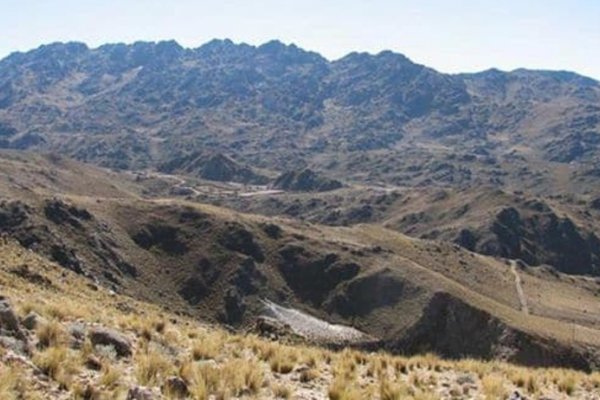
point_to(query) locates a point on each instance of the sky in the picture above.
(449, 35)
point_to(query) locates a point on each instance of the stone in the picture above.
(16, 345)
(175, 387)
(140, 393)
(517, 396)
(9, 323)
(77, 332)
(465, 379)
(109, 337)
(32, 321)
(93, 363)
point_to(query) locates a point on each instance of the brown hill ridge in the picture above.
(215, 264)
(64, 337)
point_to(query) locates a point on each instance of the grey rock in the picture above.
(175, 387)
(464, 379)
(109, 337)
(77, 332)
(9, 323)
(33, 320)
(140, 393)
(16, 345)
(517, 396)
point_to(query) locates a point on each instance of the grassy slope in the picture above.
(428, 267)
(213, 362)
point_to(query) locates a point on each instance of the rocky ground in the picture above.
(62, 337)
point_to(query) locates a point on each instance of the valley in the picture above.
(264, 211)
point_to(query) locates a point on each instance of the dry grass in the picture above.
(281, 391)
(493, 387)
(11, 383)
(389, 391)
(51, 334)
(216, 364)
(59, 363)
(342, 389)
(152, 366)
(567, 383)
(207, 347)
(281, 364)
(111, 376)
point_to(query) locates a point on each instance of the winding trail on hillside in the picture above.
(519, 286)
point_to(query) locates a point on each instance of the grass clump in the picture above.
(567, 383)
(151, 367)
(51, 334)
(207, 347)
(389, 391)
(342, 389)
(11, 383)
(282, 361)
(493, 387)
(282, 391)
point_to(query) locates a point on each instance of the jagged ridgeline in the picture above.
(280, 107)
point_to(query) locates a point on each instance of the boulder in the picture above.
(9, 323)
(93, 363)
(15, 345)
(77, 333)
(109, 337)
(33, 320)
(140, 393)
(175, 387)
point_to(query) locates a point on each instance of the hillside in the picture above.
(64, 337)
(218, 265)
(560, 231)
(287, 119)
(368, 118)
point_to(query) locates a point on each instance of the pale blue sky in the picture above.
(450, 35)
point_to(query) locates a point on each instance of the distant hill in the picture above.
(305, 181)
(409, 295)
(213, 167)
(367, 117)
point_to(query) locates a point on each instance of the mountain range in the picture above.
(279, 107)
(416, 206)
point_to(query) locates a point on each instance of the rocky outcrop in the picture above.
(313, 276)
(60, 212)
(12, 335)
(370, 292)
(237, 238)
(9, 322)
(162, 236)
(535, 234)
(67, 234)
(455, 329)
(32, 320)
(544, 237)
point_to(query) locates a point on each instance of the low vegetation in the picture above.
(175, 357)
